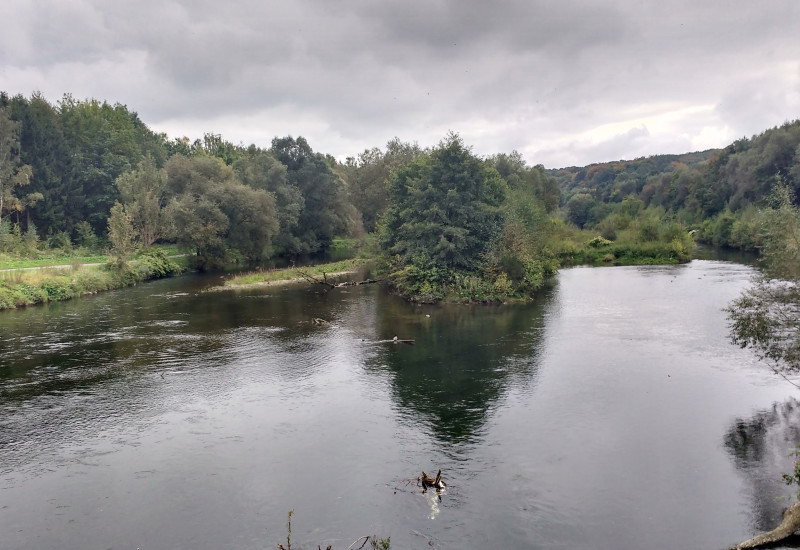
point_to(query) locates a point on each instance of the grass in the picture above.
(295, 273)
(49, 258)
(31, 287)
(56, 259)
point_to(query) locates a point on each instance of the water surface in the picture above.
(611, 413)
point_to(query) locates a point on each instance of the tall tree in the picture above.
(12, 174)
(143, 193)
(530, 180)
(766, 317)
(444, 206)
(104, 141)
(43, 147)
(325, 213)
(214, 214)
(259, 169)
(368, 178)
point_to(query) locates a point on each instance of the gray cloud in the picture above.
(563, 83)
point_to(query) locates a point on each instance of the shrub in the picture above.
(60, 240)
(599, 242)
(58, 289)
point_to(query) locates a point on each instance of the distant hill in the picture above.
(701, 183)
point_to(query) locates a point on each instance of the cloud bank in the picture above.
(564, 83)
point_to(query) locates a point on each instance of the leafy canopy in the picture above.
(766, 317)
(444, 206)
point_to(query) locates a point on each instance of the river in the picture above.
(613, 413)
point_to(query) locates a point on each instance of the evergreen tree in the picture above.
(445, 207)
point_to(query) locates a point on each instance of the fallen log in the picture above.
(790, 524)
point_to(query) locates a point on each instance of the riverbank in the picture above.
(26, 287)
(31, 285)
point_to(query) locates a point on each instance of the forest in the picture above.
(443, 223)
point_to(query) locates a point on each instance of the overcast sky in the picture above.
(564, 83)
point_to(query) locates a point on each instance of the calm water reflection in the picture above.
(612, 413)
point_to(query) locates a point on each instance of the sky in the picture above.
(563, 83)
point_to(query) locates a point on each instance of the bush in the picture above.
(61, 241)
(599, 242)
(342, 249)
(59, 289)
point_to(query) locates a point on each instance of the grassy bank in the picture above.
(671, 245)
(31, 287)
(289, 274)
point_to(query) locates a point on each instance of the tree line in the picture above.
(718, 192)
(446, 223)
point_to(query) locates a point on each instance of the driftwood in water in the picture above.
(396, 341)
(790, 524)
(427, 482)
(357, 283)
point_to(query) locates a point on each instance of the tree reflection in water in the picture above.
(763, 449)
(464, 361)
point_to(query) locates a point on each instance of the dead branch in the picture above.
(790, 524)
(365, 538)
(324, 281)
(316, 280)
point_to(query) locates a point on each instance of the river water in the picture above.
(613, 413)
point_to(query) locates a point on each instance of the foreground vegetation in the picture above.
(25, 288)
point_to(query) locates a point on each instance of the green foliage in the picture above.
(121, 232)
(649, 229)
(380, 544)
(23, 288)
(342, 249)
(445, 206)
(85, 237)
(421, 279)
(325, 211)
(766, 317)
(533, 182)
(368, 176)
(143, 193)
(598, 242)
(579, 209)
(260, 169)
(153, 263)
(215, 215)
(59, 241)
(12, 172)
(794, 477)
(296, 273)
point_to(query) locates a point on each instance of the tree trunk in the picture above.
(790, 524)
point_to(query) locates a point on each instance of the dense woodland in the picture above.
(717, 192)
(446, 223)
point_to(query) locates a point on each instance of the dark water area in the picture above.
(611, 413)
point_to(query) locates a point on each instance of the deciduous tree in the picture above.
(766, 317)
